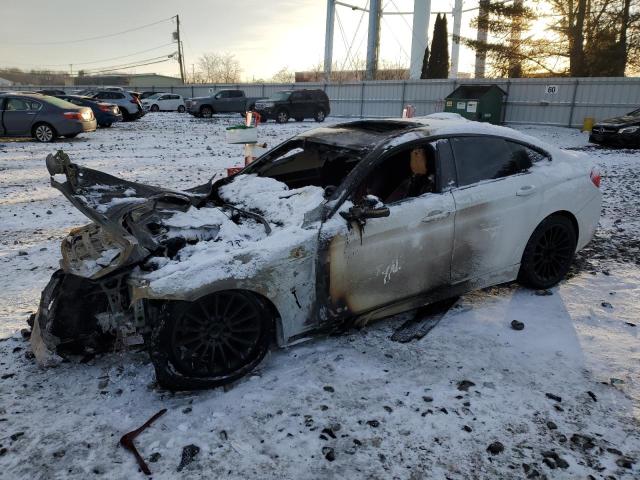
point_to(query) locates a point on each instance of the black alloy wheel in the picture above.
(549, 253)
(206, 111)
(212, 341)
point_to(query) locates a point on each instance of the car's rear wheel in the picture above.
(549, 253)
(43, 132)
(282, 116)
(155, 108)
(320, 115)
(211, 341)
(181, 109)
(206, 112)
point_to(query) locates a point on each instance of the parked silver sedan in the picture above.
(42, 117)
(337, 226)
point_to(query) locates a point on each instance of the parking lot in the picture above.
(340, 406)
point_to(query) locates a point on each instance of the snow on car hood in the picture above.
(239, 250)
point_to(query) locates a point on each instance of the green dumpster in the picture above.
(483, 103)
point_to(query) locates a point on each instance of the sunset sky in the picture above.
(264, 35)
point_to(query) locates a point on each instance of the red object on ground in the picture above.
(233, 170)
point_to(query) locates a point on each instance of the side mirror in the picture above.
(360, 214)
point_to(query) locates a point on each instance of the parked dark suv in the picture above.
(298, 104)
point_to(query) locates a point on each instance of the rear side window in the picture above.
(522, 151)
(486, 158)
(22, 105)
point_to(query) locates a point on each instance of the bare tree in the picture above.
(284, 75)
(218, 68)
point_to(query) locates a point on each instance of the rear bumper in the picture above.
(588, 218)
(106, 117)
(72, 127)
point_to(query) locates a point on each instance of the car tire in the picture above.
(206, 111)
(44, 133)
(320, 115)
(106, 125)
(181, 109)
(193, 347)
(282, 116)
(549, 253)
(155, 108)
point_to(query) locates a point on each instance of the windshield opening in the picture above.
(301, 163)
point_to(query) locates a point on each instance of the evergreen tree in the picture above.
(425, 63)
(439, 59)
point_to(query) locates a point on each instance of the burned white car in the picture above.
(337, 226)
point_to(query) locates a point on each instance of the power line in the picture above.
(88, 63)
(128, 65)
(110, 35)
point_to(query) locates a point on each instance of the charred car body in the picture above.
(337, 226)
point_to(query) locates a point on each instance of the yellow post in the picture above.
(587, 124)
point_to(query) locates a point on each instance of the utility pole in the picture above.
(455, 44)
(420, 37)
(373, 39)
(180, 61)
(328, 39)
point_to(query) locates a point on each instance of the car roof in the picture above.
(34, 95)
(394, 132)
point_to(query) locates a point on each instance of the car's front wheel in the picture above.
(43, 132)
(549, 253)
(155, 108)
(206, 112)
(282, 116)
(211, 341)
(319, 115)
(181, 109)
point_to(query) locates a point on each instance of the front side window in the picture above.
(486, 158)
(409, 173)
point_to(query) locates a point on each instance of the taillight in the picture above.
(105, 108)
(73, 115)
(595, 177)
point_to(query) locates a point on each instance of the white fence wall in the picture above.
(528, 101)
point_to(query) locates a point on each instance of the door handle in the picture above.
(434, 215)
(526, 190)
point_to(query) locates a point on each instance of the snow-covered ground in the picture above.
(351, 406)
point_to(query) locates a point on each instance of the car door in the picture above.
(223, 101)
(164, 102)
(20, 115)
(296, 105)
(2, 103)
(497, 199)
(397, 257)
